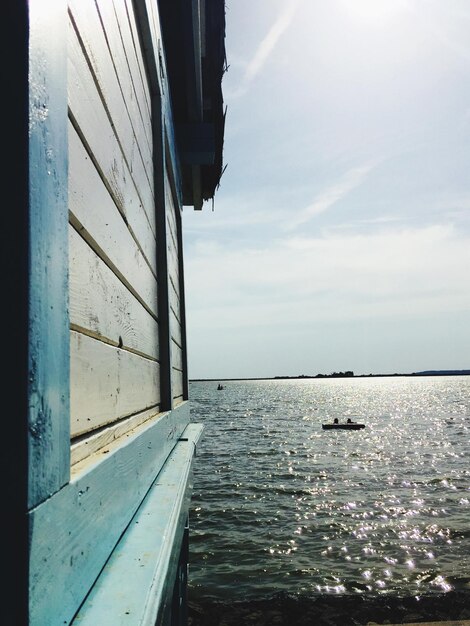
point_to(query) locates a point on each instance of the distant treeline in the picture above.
(350, 374)
(347, 374)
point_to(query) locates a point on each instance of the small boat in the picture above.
(219, 387)
(349, 425)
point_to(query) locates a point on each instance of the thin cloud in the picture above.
(333, 194)
(267, 46)
(407, 272)
(463, 51)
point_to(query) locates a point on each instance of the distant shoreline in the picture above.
(339, 375)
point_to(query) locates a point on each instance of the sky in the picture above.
(339, 238)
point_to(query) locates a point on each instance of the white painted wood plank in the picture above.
(92, 209)
(103, 306)
(173, 252)
(175, 328)
(135, 43)
(73, 533)
(88, 114)
(125, 17)
(174, 295)
(108, 384)
(90, 444)
(175, 304)
(115, 22)
(173, 261)
(176, 355)
(172, 229)
(171, 219)
(177, 383)
(103, 68)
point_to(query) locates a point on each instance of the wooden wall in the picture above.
(115, 325)
(174, 290)
(102, 299)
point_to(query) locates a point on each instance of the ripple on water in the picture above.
(279, 504)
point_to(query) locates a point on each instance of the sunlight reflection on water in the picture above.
(280, 504)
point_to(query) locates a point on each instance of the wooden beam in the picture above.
(197, 42)
(136, 585)
(49, 419)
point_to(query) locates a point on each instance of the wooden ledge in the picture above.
(136, 584)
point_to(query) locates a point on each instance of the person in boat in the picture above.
(335, 421)
(349, 420)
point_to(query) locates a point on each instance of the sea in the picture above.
(281, 506)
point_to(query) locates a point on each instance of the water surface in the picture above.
(279, 505)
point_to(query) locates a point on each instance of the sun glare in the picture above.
(374, 12)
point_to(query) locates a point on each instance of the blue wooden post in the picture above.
(48, 332)
(36, 382)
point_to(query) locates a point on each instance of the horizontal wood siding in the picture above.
(114, 319)
(98, 36)
(102, 306)
(107, 383)
(173, 251)
(91, 122)
(94, 214)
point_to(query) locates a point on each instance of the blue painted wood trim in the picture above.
(136, 585)
(74, 532)
(49, 419)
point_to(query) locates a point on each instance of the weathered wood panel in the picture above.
(107, 68)
(94, 214)
(89, 117)
(176, 356)
(103, 307)
(92, 443)
(108, 384)
(132, 42)
(174, 282)
(174, 285)
(174, 296)
(177, 384)
(172, 235)
(48, 357)
(73, 534)
(119, 21)
(175, 328)
(174, 251)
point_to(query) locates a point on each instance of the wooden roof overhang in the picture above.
(194, 41)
